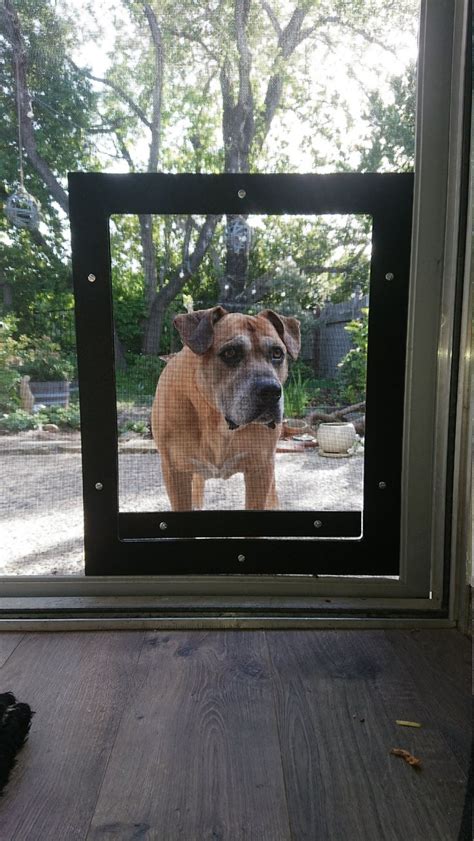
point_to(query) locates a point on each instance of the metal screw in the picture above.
(317, 524)
(382, 485)
(389, 276)
(241, 558)
(241, 194)
(91, 278)
(163, 526)
(98, 486)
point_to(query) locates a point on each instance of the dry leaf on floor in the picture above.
(407, 723)
(407, 756)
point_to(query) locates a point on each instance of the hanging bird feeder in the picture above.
(22, 210)
(239, 235)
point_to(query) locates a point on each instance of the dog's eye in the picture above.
(277, 354)
(231, 355)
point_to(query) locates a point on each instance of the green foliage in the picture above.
(139, 380)
(21, 421)
(9, 375)
(65, 418)
(78, 124)
(140, 427)
(42, 360)
(18, 421)
(298, 391)
(353, 367)
(391, 127)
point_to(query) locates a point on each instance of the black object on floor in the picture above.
(15, 720)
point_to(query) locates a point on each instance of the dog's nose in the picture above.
(268, 392)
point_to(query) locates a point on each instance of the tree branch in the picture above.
(116, 88)
(273, 18)
(11, 26)
(124, 152)
(241, 15)
(288, 40)
(187, 241)
(157, 95)
(180, 277)
(178, 33)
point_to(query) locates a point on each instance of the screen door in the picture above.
(281, 355)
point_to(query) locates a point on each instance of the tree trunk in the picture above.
(149, 259)
(232, 285)
(154, 324)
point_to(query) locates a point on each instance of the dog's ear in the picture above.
(288, 329)
(197, 328)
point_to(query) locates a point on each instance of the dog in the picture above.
(218, 405)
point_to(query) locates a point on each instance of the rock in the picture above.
(50, 427)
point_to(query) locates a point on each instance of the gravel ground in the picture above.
(41, 504)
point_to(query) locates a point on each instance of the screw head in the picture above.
(163, 526)
(99, 486)
(317, 524)
(241, 559)
(91, 278)
(241, 194)
(382, 485)
(389, 276)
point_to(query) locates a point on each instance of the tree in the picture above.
(190, 87)
(391, 126)
(56, 107)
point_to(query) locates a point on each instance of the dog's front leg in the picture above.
(260, 488)
(179, 487)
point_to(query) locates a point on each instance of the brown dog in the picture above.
(219, 403)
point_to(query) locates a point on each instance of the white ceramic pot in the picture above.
(336, 437)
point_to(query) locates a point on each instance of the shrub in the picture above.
(353, 367)
(64, 418)
(42, 359)
(297, 391)
(9, 375)
(139, 379)
(142, 427)
(20, 421)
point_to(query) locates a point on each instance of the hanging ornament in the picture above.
(239, 235)
(22, 209)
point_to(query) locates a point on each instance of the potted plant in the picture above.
(335, 439)
(50, 372)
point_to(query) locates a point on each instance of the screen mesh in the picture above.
(225, 86)
(222, 396)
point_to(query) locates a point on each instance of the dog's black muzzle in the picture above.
(266, 404)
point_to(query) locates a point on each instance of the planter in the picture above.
(51, 393)
(336, 438)
(294, 426)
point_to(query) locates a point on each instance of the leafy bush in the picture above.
(9, 375)
(42, 359)
(353, 367)
(20, 421)
(139, 379)
(141, 427)
(298, 391)
(65, 418)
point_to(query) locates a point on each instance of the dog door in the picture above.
(295, 413)
(242, 394)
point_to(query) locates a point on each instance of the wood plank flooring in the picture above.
(238, 736)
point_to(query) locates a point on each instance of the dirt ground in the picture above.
(41, 515)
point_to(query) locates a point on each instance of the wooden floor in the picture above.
(233, 736)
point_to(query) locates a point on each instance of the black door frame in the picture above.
(212, 542)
